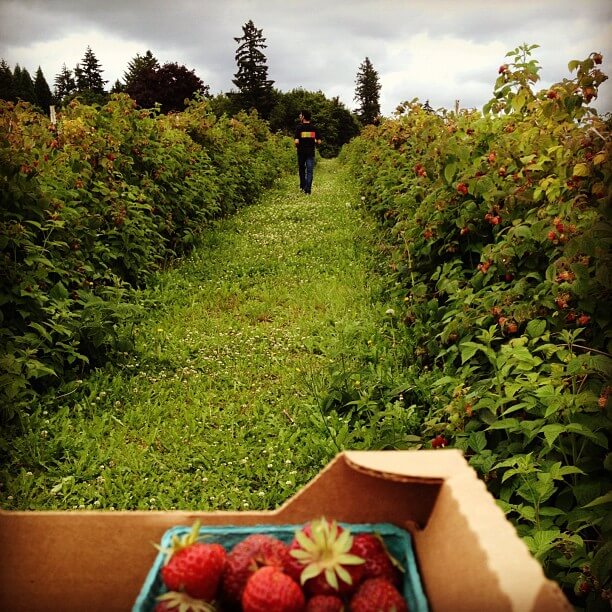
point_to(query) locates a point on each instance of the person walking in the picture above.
(307, 137)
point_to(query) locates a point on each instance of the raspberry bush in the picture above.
(497, 234)
(91, 207)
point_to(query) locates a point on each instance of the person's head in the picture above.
(305, 115)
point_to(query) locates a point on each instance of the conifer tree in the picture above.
(64, 85)
(254, 87)
(118, 87)
(139, 66)
(367, 93)
(88, 74)
(7, 86)
(24, 86)
(42, 91)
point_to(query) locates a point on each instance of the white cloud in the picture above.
(110, 51)
(439, 50)
(439, 69)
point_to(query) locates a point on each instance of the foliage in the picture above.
(88, 74)
(254, 88)
(367, 93)
(64, 85)
(7, 85)
(90, 208)
(139, 65)
(170, 86)
(498, 242)
(42, 91)
(23, 85)
(217, 390)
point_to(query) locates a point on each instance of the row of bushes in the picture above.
(94, 204)
(497, 237)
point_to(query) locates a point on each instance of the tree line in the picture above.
(168, 86)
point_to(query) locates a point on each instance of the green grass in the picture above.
(222, 405)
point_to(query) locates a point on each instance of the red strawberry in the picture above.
(246, 557)
(325, 603)
(181, 602)
(194, 567)
(323, 559)
(378, 561)
(378, 594)
(271, 590)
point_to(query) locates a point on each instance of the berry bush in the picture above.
(497, 237)
(90, 207)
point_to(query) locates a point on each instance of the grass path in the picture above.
(218, 410)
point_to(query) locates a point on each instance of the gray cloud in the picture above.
(438, 49)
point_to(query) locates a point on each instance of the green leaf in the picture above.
(59, 292)
(468, 350)
(604, 499)
(601, 565)
(449, 172)
(477, 441)
(505, 424)
(581, 170)
(596, 436)
(551, 511)
(552, 432)
(536, 328)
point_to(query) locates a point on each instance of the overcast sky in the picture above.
(436, 50)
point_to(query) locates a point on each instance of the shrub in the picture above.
(497, 230)
(94, 205)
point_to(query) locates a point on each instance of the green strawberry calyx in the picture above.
(179, 543)
(183, 603)
(325, 551)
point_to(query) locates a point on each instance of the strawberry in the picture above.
(246, 557)
(181, 602)
(323, 560)
(192, 566)
(378, 594)
(325, 603)
(378, 561)
(270, 590)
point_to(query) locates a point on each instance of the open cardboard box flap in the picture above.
(469, 555)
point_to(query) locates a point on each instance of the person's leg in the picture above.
(302, 171)
(309, 173)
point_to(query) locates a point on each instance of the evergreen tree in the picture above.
(24, 86)
(65, 85)
(42, 91)
(88, 74)
(254, 87)
(141, 64)
(118, 87)
(367, 93)
(7, 85)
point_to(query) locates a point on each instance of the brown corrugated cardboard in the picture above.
(469, 555)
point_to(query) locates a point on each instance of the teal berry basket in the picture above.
(398, 542)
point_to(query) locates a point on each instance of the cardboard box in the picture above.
(469, 555)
